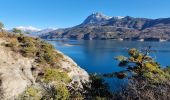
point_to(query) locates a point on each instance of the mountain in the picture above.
(41, 32)
(33, 31)
(95, 18)
(30, 29)
(99, 26)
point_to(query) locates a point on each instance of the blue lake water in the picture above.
(98, 55)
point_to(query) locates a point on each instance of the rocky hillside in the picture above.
(32, 69)
(99, 26)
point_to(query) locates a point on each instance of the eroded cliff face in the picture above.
(16, 72)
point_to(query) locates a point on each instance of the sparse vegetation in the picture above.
(15, 30)
(1, 26)
(31, 93)
(49, 71)
(98, 89)
(141, 64)
(51, 92)
(56, 75)
(56, 92)
(146, 79)
(33, 47)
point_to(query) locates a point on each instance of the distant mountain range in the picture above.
(33, 31)
(99, 26)
(41, 32)
(30, 29)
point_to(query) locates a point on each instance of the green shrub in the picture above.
(146, 79)
(31, 93)
(140, 64)
(167, 69)
(49, 57)
(62, 92)
(98, 89)
(56, 92)
(28, 51)
(55, 75)
(13, 44)
(2, 34)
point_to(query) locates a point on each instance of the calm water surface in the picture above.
(98, 55)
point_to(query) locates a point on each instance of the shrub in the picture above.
(15, 30)
(13, 44)
(140, 64)
(146, 79)
(30, 93)
(56, 92)
(55, 75)
(97, 89)
(2, 34)
(62, 92)
(28, 51)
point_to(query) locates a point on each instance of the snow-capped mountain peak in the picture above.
(120, 17)
(28, 28)
(95, 18)
(100, 15)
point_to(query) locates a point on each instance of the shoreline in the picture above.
(56, 39)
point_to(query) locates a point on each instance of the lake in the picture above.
(97, 56)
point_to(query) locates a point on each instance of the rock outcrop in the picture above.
(16, 72)
(76, 73)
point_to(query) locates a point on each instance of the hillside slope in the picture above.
(30, 68)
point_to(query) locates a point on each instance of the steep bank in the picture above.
(30, 67)
(15, 72)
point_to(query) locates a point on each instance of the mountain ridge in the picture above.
(99, 26)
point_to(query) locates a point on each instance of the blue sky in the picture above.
(67, 13)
